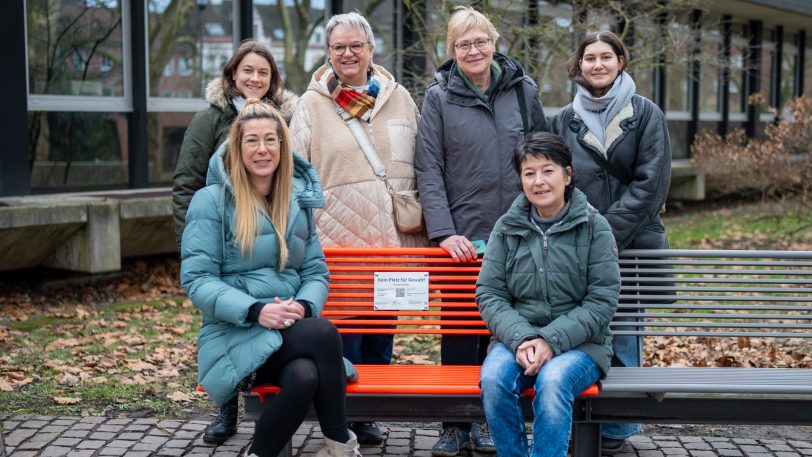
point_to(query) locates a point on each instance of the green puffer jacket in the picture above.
(224, 284)
(562, 286)
(207, 131)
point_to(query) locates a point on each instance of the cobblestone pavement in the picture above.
(48, 436)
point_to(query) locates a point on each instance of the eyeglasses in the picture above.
(270, 142)
(340, 49)
(480, 43)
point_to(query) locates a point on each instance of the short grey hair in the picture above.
(352, 20)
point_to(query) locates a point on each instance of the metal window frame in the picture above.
(86, 103)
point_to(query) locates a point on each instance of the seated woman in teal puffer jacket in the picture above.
(253, 264)
(547, 290)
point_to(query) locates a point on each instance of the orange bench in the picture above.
(405, 392)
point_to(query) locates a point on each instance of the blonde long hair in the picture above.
(249, 203)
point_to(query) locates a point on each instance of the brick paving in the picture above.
(50, 436)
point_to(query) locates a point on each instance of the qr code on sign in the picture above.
(400, 292)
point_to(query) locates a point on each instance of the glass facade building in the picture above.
(109, 86)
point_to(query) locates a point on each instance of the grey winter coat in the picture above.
(562, 286)
(463, 156)
(636, 142)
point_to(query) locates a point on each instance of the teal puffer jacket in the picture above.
(224, 284)
(562, 286)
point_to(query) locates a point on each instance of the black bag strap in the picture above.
(522, 106)
(609, 167)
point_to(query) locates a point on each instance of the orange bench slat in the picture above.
(414, 380)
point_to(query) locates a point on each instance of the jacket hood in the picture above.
(388, 84)
(517, 220)
(306, 185)
(217, 97)
(447, 77)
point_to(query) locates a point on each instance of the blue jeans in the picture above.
(628, 352)
(557, 384)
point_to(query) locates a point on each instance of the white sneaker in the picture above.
(335, 449)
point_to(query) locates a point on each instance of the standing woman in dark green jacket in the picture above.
(250, 73)
(547, 290)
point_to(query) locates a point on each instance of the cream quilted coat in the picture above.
(357, 207)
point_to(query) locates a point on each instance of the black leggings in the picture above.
(308, 368)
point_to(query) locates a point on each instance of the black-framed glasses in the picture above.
(340, 48)
(480, 43)
(253, 143)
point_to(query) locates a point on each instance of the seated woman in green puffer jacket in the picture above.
(253, 264)
(547, 290)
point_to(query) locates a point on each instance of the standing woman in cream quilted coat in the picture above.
(357, 206)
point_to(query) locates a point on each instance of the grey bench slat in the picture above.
(717, 306)
(708, 271)
(661, 297)
(681, 333)
(709, 380)
(703, 280)
(715, 316)
(732, 289)
(716, 253)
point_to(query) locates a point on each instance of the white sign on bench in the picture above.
(395, 291)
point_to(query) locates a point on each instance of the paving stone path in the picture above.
(50, 436)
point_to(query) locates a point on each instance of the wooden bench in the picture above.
(713, 295)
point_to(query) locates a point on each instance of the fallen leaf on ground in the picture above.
(179, 396)
(67, 400)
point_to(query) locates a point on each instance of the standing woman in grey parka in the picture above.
(622, 159)
(472, 118)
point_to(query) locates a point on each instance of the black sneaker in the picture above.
(225, 425)
(611, 446)
(481, 438)
(451, 442)
(367, 432)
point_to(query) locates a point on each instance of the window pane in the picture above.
(738, 49)
(549, 70)
(709, 71)
(808, 71)
(677, 76)
(272, 32)
(165, 138)
(678, 131)
(188, 44)
(788, 61)
(767, 56)
(382, 20)
(77, 150)
(74, 48)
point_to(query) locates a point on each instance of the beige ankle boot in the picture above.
(335, 449)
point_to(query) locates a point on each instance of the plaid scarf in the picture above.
(358, 104)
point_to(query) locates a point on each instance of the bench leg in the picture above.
(587, 440)
(287, 451)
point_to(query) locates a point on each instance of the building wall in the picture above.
(80, 96)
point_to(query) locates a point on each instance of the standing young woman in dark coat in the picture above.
(622, 160)
(250, 73)
(470, 123)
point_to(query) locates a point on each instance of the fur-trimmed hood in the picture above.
(217, 97)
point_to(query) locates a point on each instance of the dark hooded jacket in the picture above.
(463, 156)
(207, 131)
